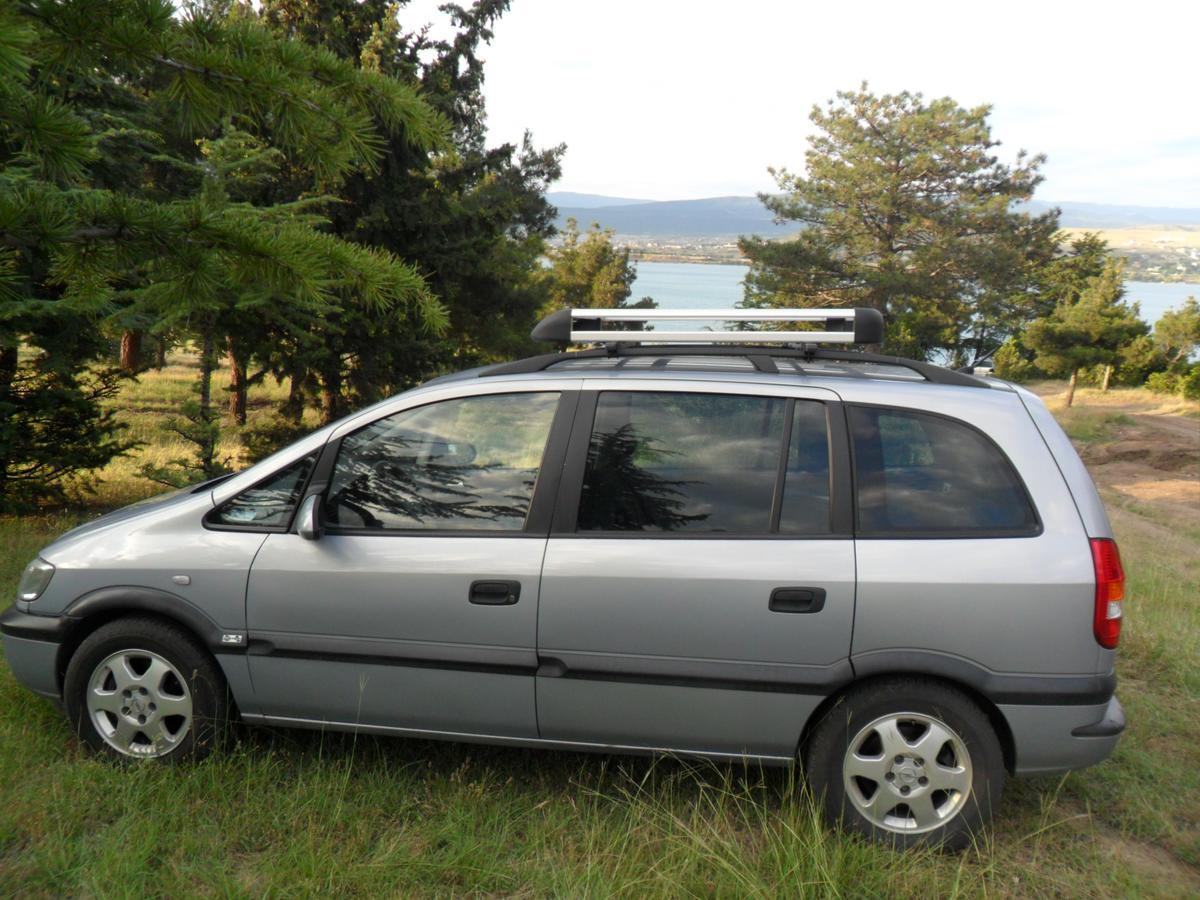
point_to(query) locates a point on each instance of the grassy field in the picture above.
(288, 813)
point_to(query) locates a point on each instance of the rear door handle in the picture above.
(495, 593)
(797, 599)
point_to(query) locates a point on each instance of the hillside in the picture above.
(731, 216)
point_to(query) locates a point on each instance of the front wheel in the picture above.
(142, 688)
(907, 762)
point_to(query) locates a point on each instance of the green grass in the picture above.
(286, 812)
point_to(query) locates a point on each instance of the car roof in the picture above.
(819, 370)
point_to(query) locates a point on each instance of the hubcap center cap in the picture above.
(907, 774)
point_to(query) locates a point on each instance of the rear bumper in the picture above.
(31, 645)
(1053, 739)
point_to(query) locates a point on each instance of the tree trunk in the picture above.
(208, 444)
(131, 350)
(293, 408)
(160, 353)
(331, 396)
(1108, 370)
(8, 374)
(237, 382)
(1071, 386)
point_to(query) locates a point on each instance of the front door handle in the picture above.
(797, 599)
(495, 593)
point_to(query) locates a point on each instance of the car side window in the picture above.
(469, 463)
(917, 473)
(806, 506)
(682, 462)
(268, 504)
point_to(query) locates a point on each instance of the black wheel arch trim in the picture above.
(134, 598)
(1001, 688)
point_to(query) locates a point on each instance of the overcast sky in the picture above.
(666, 99)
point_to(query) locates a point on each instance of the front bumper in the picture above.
(31, 645)
(1054, 739)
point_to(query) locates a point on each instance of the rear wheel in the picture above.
(141, 688)
(908, 763)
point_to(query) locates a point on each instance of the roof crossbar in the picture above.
(861, 325)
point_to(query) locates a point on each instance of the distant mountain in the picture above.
(589, 201)
(1107, 215)
(731, 216)
(711, 217)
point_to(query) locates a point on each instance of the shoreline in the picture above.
(640, 257)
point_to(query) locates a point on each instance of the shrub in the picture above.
(1163, 382)
(1189, 384)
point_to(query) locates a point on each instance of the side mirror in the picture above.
(308, 520)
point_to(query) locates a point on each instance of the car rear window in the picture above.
(923, 474)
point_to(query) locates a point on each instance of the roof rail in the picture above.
(861, 325)
(762, 358)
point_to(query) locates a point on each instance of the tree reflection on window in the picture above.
(269, 503)
(460, 464)
(621, 494)
(676, 461)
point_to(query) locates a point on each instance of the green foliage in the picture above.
(905, 208)
(1090, 331)
(1185, 384)
(1138, 359)
(1090, 326)
(1177, 333)
(586, 271)
(1013, 362)
(1189, 384)
(130, 141)
(473, 219)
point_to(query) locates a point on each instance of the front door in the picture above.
(698, 590)
(416, 608)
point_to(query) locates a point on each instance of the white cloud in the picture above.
(666, 99)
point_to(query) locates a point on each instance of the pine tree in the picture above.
(586, 271)
(112, 213)
(904, 207)
(471, 216)
(1088, 329)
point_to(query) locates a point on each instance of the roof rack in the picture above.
(861, 325)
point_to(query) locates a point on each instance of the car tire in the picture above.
(143, 688)
(906, 762)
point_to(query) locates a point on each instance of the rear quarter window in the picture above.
(923, 474)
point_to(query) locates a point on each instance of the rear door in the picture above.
(698, 589)
(416, 609)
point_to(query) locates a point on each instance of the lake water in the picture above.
(712, 286)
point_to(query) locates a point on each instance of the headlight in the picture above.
(34, 580)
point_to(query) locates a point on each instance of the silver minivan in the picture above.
(739, 544)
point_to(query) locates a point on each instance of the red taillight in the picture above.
(1110, 591)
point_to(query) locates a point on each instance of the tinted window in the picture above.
(682, 462)
(917, 473)
(459, 464)
(805, 508)
(269, 504)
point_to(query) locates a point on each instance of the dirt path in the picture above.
(1143, 450)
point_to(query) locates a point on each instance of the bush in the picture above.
(1184, 384)
(1163, 382)
(1011, 363)
(1189, 384)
